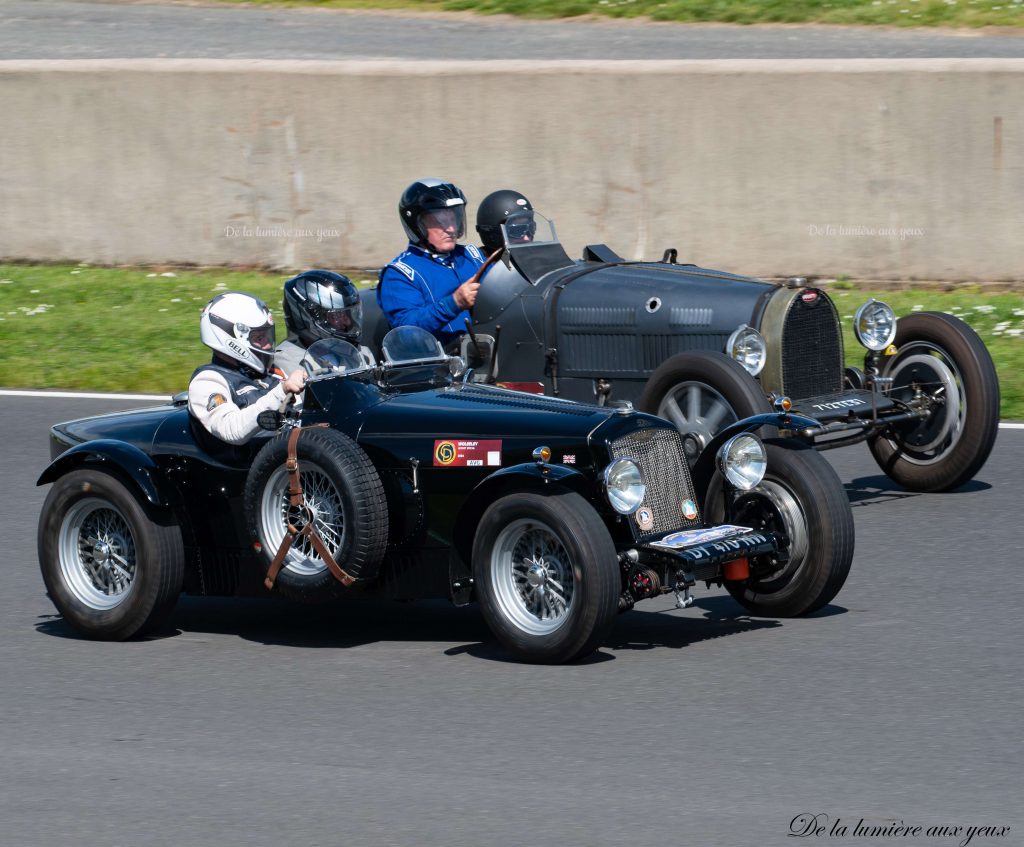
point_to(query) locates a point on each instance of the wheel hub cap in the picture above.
(101, 553)
(537, 574)
(693, 445)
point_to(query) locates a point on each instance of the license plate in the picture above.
(690, 537)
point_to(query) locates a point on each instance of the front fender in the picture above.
(525, 477)
(704, 468)
(123, 457)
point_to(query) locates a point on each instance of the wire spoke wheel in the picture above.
(96, 551)
(342, 498)
(322, 505)
(532, 576)
(547, 576)
(113, 564)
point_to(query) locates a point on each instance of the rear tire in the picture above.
(801, 496)
(546, 575)
(113, 565)
(948, 360)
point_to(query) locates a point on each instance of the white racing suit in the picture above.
(227, 401)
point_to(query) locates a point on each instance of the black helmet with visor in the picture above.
(322, 304)
(429, 196)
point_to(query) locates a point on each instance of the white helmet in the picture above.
(240, 327)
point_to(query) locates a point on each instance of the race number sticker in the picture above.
(457, 453)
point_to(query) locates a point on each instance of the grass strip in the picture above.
(137, 329)
(905, 13)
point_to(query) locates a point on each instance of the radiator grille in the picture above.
(812, 349)
(659, 454)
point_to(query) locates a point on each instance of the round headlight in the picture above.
(746, 345)
(624, 485)
(742, 461)
(875, 325)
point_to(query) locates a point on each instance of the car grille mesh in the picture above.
(658, 452)
(812, 349)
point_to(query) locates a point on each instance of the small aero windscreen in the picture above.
(410, 344)
(332, 356)
(528, 227)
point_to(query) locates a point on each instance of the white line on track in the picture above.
(80, 395)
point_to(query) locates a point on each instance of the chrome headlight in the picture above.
(746, 345)
(743, 461)
(624, 486)
(875, 325)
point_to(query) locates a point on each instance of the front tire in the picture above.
(802, 497)
(547, 576)
(944, 358)
(113, 565)
(702, 393)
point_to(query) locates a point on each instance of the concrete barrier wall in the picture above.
(871, 168)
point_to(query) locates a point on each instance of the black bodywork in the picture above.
(169, 461)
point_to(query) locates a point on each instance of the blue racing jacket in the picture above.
(416, 289)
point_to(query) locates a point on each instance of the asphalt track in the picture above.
(64, 29)
(261, 723)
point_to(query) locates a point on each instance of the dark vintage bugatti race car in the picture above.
(408, 479)
(704, 348)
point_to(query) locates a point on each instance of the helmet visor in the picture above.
(437, 224)
(262, 337)
(345, 322)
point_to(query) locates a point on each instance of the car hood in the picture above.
(481, 411)
(656, 296)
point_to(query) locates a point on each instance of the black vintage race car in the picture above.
(705, 348)
(409, 479)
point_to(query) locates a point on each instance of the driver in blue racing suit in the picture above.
(432, 284)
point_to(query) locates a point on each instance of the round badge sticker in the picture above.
(689, 509)
(644, 518)
(445, 453)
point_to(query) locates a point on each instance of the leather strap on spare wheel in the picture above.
(296, 500)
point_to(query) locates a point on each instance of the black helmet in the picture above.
(504, 207)
(322, 304)
(430, 195)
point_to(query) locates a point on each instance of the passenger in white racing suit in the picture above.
(227, 395)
